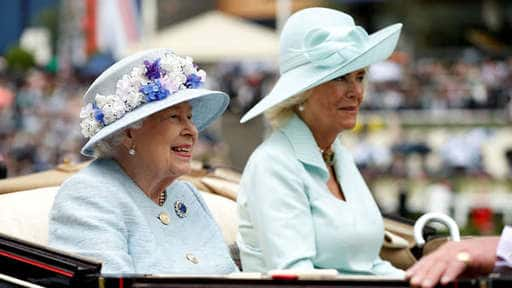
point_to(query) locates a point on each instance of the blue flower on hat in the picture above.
(154, 91)
(153, 70)
(193, 81)
(154, 80)
(98, 114)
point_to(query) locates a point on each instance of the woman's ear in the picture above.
(128, 140)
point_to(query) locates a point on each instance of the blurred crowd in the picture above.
(428, 84)
(433, 84)
(39, 111)
(39, 120)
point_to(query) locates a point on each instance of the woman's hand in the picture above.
(469, 257)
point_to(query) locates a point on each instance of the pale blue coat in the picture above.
(101, 213)
(290, 220)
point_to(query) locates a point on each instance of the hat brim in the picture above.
(206, 105)
(379, 47)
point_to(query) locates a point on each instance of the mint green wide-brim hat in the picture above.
(141, 85)
(319, 45)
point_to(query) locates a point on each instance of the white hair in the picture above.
(107, 147)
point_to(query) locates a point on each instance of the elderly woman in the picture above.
(303, 203)
(127, 208)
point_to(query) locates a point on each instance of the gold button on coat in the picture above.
(190, 257)
(164, 218)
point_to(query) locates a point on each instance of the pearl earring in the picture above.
(132, 151)
(301, 107)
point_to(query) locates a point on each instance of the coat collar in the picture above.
(305, 147)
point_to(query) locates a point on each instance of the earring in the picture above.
(301, 107)
(132, 151)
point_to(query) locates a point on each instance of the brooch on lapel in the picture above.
(181, 209)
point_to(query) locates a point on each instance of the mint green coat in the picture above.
(290, 220)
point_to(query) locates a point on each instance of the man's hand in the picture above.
(469, 257)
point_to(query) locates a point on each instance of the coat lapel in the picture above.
(305, 146)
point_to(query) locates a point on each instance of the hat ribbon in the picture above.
(328, 47)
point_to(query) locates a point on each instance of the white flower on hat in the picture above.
(137, 75)
(86, 111)
(112, 106)
(201, 74)
(151, 81)
(128, 92)
(172, 65)
(171, 84)
(124, 85)
(179, 80)
(188, 66)
(89, 127)
(133, 99)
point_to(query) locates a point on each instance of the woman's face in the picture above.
(333, 106)
(165, 141)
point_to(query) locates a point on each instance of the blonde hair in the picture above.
(278, 115)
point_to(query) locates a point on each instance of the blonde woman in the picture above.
(303, 203)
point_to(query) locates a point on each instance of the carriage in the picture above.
(27, 261)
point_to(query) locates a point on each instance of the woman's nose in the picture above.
(190, 128)
(355, 87)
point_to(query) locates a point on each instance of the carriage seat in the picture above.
(25, 203)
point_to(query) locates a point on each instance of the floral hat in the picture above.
(141, 85)
(321, 44)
